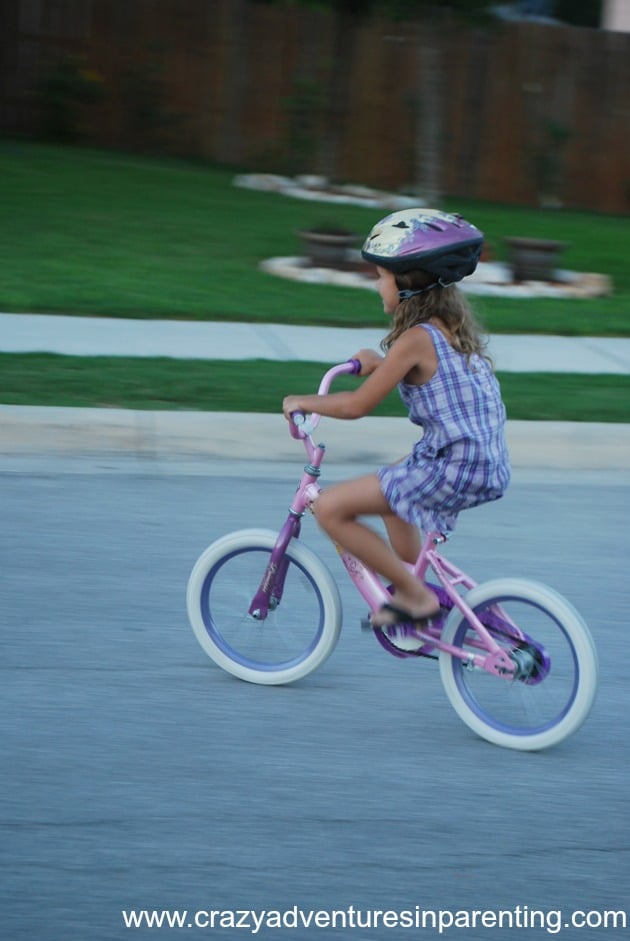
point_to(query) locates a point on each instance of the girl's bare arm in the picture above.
(413, 350)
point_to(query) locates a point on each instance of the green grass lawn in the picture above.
(260, 385)
(98, 233)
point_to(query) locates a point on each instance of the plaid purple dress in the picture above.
(461, 460)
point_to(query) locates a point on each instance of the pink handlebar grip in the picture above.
(297, 419)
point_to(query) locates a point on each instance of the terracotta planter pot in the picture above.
(330, 249)
(534, 259)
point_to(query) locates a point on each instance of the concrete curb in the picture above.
(26, 430)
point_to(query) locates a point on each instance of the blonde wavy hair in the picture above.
(445, 304)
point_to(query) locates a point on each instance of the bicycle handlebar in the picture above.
(300, 426)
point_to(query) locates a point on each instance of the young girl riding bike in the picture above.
(434, 353)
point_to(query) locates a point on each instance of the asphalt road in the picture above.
(138, 776)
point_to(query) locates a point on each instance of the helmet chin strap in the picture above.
(405, 295)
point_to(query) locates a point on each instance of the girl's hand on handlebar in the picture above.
(292, 403)
(369, 360)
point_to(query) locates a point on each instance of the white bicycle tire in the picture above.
(314, 570)
(579, 638)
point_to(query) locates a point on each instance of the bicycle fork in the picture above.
(269, 593)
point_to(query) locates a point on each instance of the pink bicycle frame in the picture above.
(492, 657)
(270, 591)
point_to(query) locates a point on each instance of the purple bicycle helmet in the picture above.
(441, 243)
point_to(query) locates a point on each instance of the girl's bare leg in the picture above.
(337, 510)
(404, 538)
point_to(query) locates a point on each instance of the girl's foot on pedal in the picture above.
(391, 613)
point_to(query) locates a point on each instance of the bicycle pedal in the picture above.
(366, 624)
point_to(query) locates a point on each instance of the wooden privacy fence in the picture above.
(516, 112)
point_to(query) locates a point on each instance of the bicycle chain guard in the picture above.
(403, 640)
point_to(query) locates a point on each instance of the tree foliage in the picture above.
(580, 12)
(397, 9)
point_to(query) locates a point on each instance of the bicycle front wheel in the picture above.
(556, 680)
(295, 637)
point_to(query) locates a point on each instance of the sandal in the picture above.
(400, 616)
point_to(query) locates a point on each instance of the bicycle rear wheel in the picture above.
(295, 637)
(557, 666)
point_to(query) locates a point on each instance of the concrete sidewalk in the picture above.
(101, 336)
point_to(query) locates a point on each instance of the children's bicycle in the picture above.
(516, 659)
